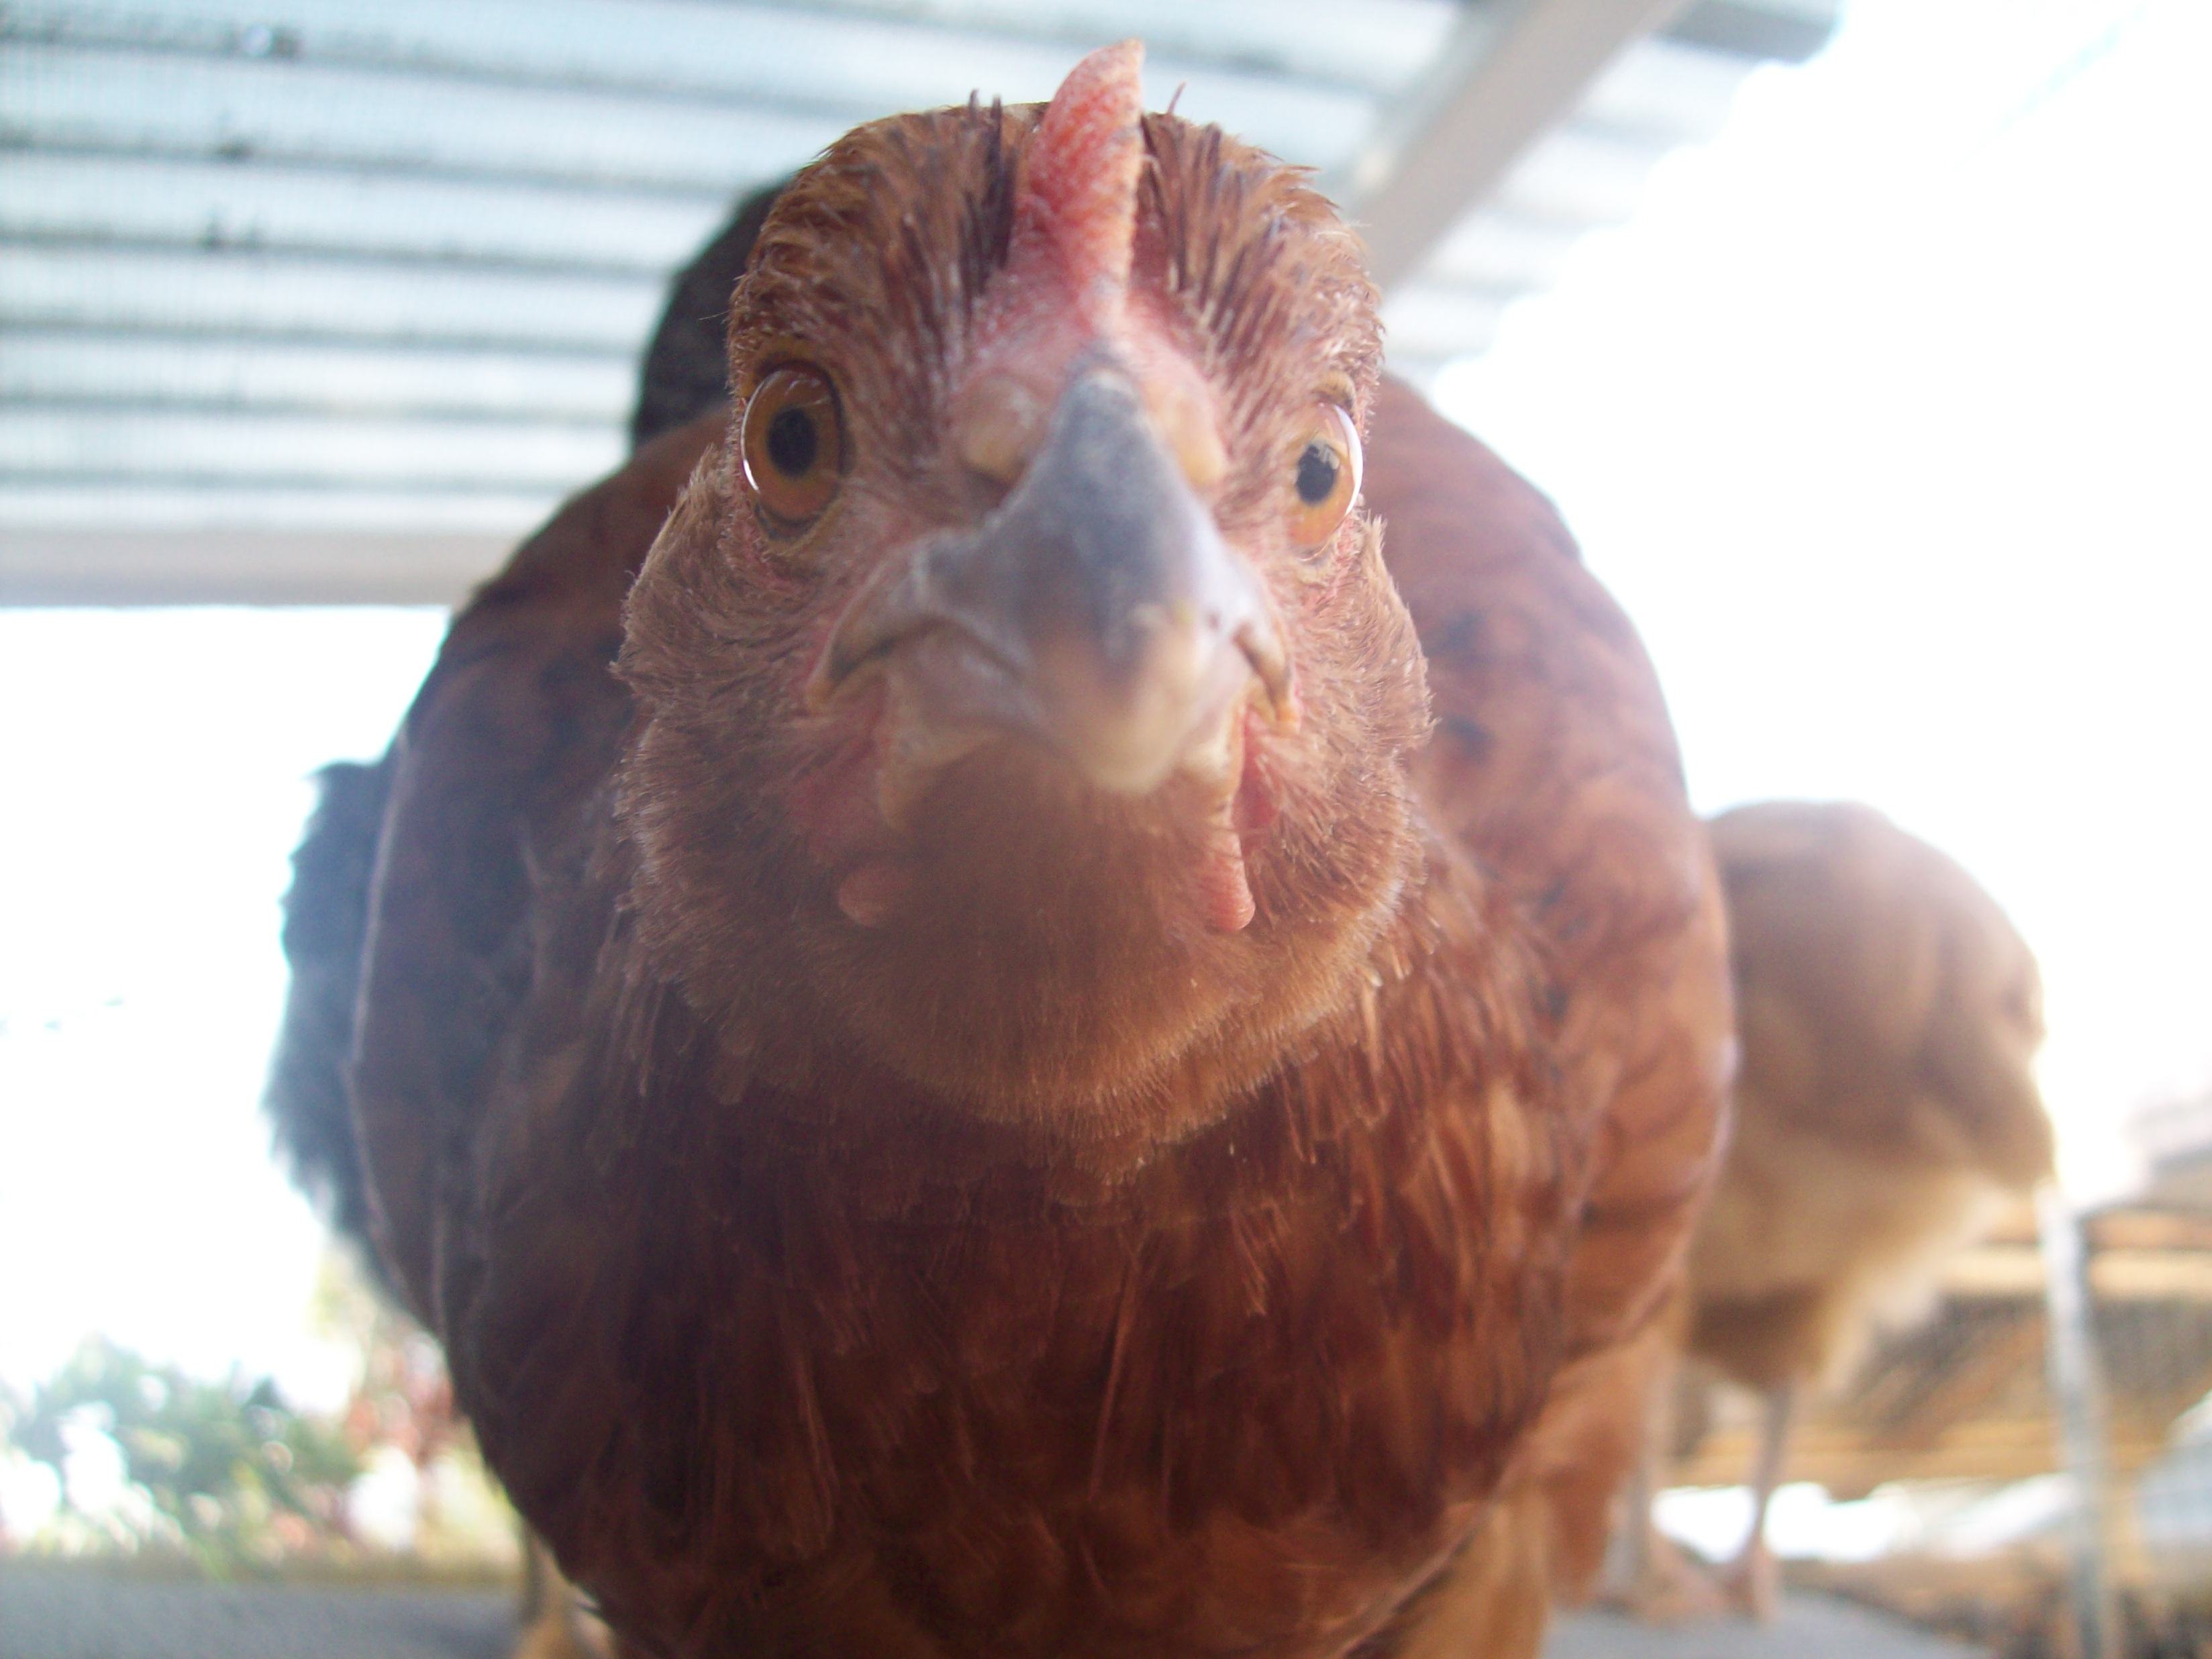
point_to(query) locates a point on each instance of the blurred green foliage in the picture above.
(227, 1472)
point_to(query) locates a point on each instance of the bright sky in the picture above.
(1888, 422)
(157, 766)
(1886, 419)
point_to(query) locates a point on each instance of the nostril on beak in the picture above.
(999, 424)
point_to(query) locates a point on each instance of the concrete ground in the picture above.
(57, 1613)
(1809, 1627)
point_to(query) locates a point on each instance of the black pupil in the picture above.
(792, 442)
(1316, 474)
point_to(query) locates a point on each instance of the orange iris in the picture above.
(1324, 478)
(794, 444)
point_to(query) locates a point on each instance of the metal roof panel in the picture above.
(315, 267)
(232, 291)
(158, 370)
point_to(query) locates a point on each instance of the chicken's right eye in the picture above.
(794, 446)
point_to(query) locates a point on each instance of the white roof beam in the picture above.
(165, 566)
(1507, 74)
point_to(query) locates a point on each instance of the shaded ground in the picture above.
(1809, 1627)
(56, 1614)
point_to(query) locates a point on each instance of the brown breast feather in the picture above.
(1244, 1403)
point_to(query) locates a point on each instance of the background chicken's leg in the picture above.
(1647, 1573)
(556, 1623)
(1752, 1579)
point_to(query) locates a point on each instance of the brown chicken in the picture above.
(980, 1031)
(1887, 1105)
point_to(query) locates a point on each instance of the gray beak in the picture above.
(1101, 589)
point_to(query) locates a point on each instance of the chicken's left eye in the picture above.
(1325, 478)
(794, 450)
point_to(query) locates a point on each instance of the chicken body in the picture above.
(1890, 1016)
(1073, 1119)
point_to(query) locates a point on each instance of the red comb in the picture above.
(1080, 188)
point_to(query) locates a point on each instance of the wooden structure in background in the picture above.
(1963, 1395)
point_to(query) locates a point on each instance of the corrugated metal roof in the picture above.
(317, 270)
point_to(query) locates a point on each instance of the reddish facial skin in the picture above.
(1063, 306)
(1091, 270)
(917, 1151)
